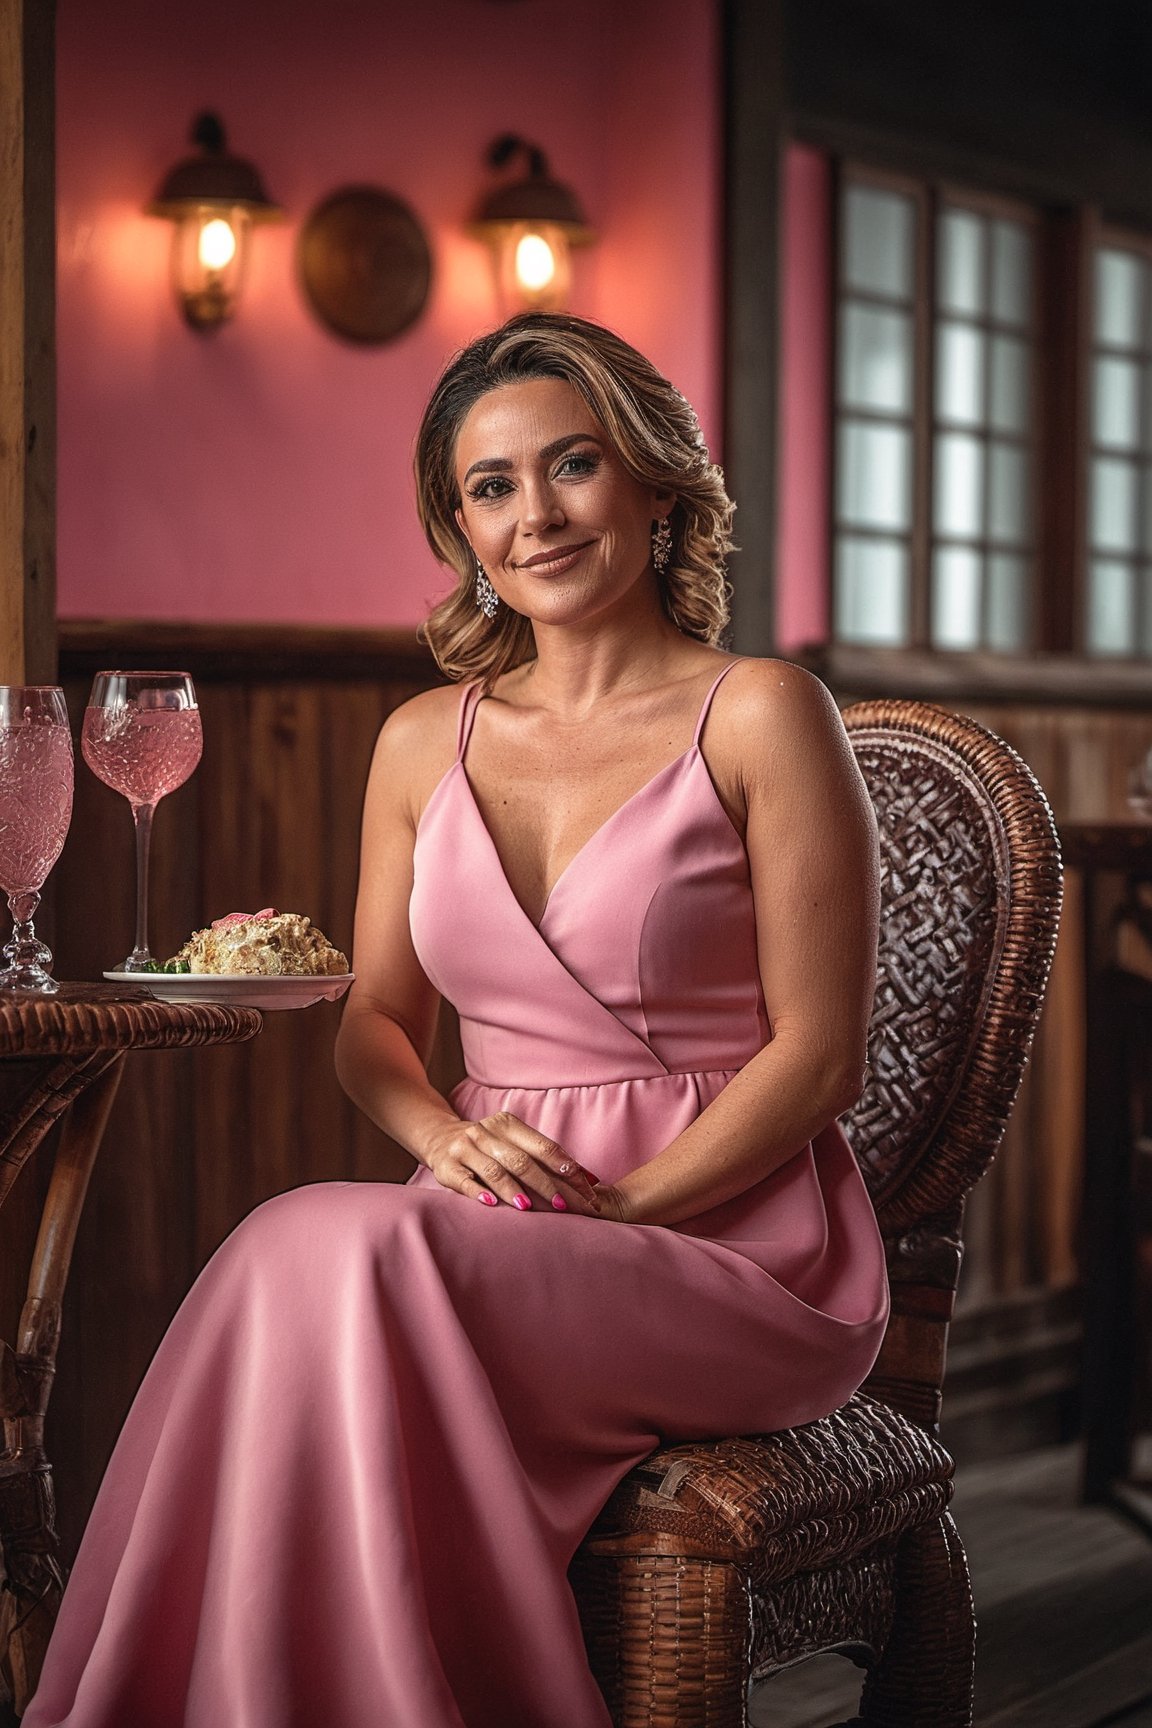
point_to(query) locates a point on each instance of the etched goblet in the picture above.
(142, 737)
(35, 810)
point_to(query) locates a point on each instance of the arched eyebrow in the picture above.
(501, 464)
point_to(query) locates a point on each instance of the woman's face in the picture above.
(547, 506)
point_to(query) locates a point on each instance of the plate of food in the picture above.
(265, 960)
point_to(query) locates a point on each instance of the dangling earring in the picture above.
(661, 545)
(486, 596)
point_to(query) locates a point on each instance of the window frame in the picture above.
(929, 196)
(1107, 236)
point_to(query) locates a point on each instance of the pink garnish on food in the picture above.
(230, 918)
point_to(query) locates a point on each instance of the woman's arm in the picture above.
(777, 747)
(389, 1020)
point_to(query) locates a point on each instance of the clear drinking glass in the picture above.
(35, 810)
(142, 737)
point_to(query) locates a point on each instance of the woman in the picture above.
(644, 872)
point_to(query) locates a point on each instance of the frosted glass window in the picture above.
(1116, 403)
(875, 359)
(1007, 606)
(1118, 298)
(1008, 510)
(1111, 592)
(961, 262)
(1010, 407)
(960, 374)
(955, 598)
(872, 579)
(874, 479)
(878, 235)
(959, 484)
(1113, 505)
(1011, 272)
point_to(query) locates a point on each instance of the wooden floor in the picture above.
(1063, 1605)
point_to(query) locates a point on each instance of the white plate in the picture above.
(238, 989)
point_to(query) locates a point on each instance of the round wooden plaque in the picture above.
(364, 264)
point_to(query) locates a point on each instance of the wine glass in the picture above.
(142, 737)
(35, 810)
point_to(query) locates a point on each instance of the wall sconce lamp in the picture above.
(531, 223)
(213, 199)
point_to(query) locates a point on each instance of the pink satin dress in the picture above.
(385, 1416)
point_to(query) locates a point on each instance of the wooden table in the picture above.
(60, 1056)
(1115, 860)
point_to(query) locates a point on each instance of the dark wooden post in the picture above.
(27, 343)
(754, 92)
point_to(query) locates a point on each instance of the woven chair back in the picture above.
(970, 902)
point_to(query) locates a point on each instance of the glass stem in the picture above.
(142, 816)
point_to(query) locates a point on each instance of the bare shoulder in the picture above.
(416, 747)
(773, 714)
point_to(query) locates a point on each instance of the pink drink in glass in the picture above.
(35, 810)
(35, 802)
(142, 737)
(141, 752)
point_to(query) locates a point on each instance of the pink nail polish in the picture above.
(521, 1202)
(486, 1199)
(559, 1202)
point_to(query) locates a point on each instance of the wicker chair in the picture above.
(714, 1565)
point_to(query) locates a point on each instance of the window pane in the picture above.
(1010, 406)
(1007, 580)
(960, 374)
(1011, 272)
(1111, 590)
(959, 484)
(1118, 298)
(955, 598)
(1115, 403)
(1113, 505)
(873, 481)
(1144, 481)
(871, 591)
(1008, 500)
(961, 264)
(876, 359)
(878, 231)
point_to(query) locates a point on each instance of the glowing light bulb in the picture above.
(217, 244)
(535, 263)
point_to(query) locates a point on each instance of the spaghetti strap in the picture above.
(716, 683)
(468, 705)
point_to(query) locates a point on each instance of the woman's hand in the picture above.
(500, 1158)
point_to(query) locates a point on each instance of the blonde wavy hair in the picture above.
(657, 438)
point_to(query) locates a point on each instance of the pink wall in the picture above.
(805, 388)
(264, 472)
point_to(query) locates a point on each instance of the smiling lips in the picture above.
(554, 562)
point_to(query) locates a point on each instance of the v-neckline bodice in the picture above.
(693, 751)
(688, 758)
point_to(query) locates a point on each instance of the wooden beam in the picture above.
(754, 87)
(27, 343)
